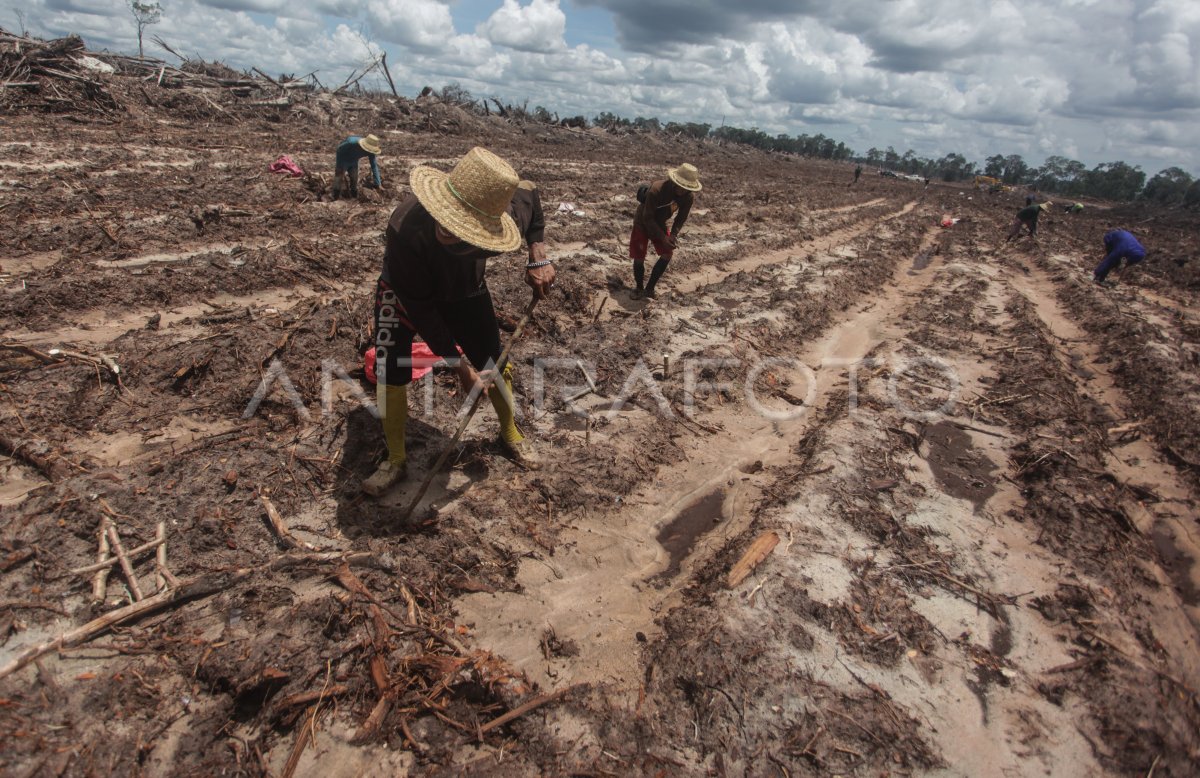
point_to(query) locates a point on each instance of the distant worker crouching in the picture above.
(345, 171)
(1119, 244)
(674, 194)
(1027, 217)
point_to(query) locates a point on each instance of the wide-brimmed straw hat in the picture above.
(370, 144)
(685, 176)
(471, 201)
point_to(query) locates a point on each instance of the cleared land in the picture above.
(979, 469)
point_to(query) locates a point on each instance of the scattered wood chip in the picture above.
(762, 546)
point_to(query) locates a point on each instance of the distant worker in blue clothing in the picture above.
(1119, 244)
(349, 152)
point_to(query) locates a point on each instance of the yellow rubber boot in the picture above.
(504, 403)
(393, 413)
(514, 442)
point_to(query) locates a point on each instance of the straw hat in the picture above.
(685, 176)
(472, 200)
(370, 144)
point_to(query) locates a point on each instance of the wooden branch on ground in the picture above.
(281, 529)
(316, 695)
(100, 581)
(762, 546)
(106, 362)
(106, 562)
(962, 426)
(200, 586)
(292, 329)
(115, 539)
(983, 597)
(307, 729)
(51, 465)
(165, 576)
(526, 707)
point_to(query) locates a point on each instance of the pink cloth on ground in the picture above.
(286, 164)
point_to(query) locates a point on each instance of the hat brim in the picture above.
(368, 147)
(696, 187)
(430, 187)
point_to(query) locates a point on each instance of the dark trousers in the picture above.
(1112, 262)
(1018, 223)
(472, 322)
(345, 178)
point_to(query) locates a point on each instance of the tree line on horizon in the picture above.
(1058, 175)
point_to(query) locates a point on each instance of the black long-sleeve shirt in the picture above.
(652, 215)
(423, 272)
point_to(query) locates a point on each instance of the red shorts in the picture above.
(638, 242)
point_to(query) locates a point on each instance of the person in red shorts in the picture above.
(673, 195)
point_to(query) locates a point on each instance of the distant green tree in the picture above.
(891, 158)
(542, 115)
(994, 166)
(1015, 169)
(144, 14)
(1061, 176)
(874, 156)
(954, 167)
(1168, 187)
(1115, 181)
(1191, 198)
(689, 129)
(610, 121)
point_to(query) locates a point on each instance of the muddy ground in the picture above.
(980, 468)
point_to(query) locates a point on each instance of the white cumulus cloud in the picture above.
(538, 26)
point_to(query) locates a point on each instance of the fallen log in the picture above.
(53, 466)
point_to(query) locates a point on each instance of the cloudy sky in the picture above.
(1093, 80)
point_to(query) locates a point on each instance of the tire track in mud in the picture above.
(851, 207)
(975, 698)
(692, 279)
(983, 700)
(824, 243)
(1133, 460)
(1108, 585)
(601, 596)
(954, 686)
